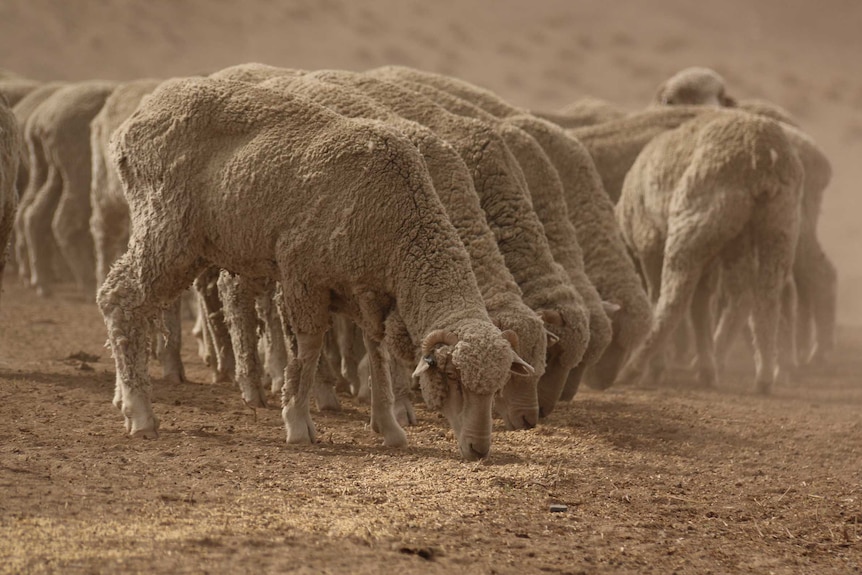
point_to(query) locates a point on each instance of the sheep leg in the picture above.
(328, 376)
(237, 295)
(787, 350)
(141, 281)
(201, 333)
(696, 234)
(348, 341)
(330, 363)
(37, 231)
(71, 229)
(29, 182)
(170, 345)
(351, 347)
(382, 398)
(701, 318)
(735, 295)
(402, 380)
(775, 234)
(110, 232)
(299, 381)
(275, 352)
(651, 264)
(804, 322)
(823, 298)
(207, 287)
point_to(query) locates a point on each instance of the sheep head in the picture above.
(459, 374)
(694, 87)
(517, 402)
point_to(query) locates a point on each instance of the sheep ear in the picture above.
(512, 338)
(610, 308)
(551, 316)
(552, 338)
(438, 336)
(521, 367)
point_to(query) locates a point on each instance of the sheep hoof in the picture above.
(707, 378)
(255, 402)
(146, 433)
(174, 378)
(44, 291)
(395, 437)
(764, 387)
(146, 429)
(324, 396)
(222, 376)
(253, 395)
(276, 385)
(404, 414)
(300, 429)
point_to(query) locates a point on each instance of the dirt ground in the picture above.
(664, 480)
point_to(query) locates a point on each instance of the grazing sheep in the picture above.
(606, 262)
(546, 194)
(615, 146)
(454, 186)
(814, 273)
(508, 211)
(258, 200)
(61, 126)
(10, 150)
(721, 188)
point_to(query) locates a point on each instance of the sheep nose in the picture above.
(480, 453)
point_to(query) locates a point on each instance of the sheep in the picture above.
(605, 258)
(272, 170)
(10, 150)
(61, 126)
(814, 273)
(615, 146)
(109, 218)
(38, 170)
(546, 194)
(454, 186)
(722, 187)
(507, 208)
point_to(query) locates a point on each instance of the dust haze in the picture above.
(542, 55)
(656, 480)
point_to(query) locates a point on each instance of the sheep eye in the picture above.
(430, 360)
